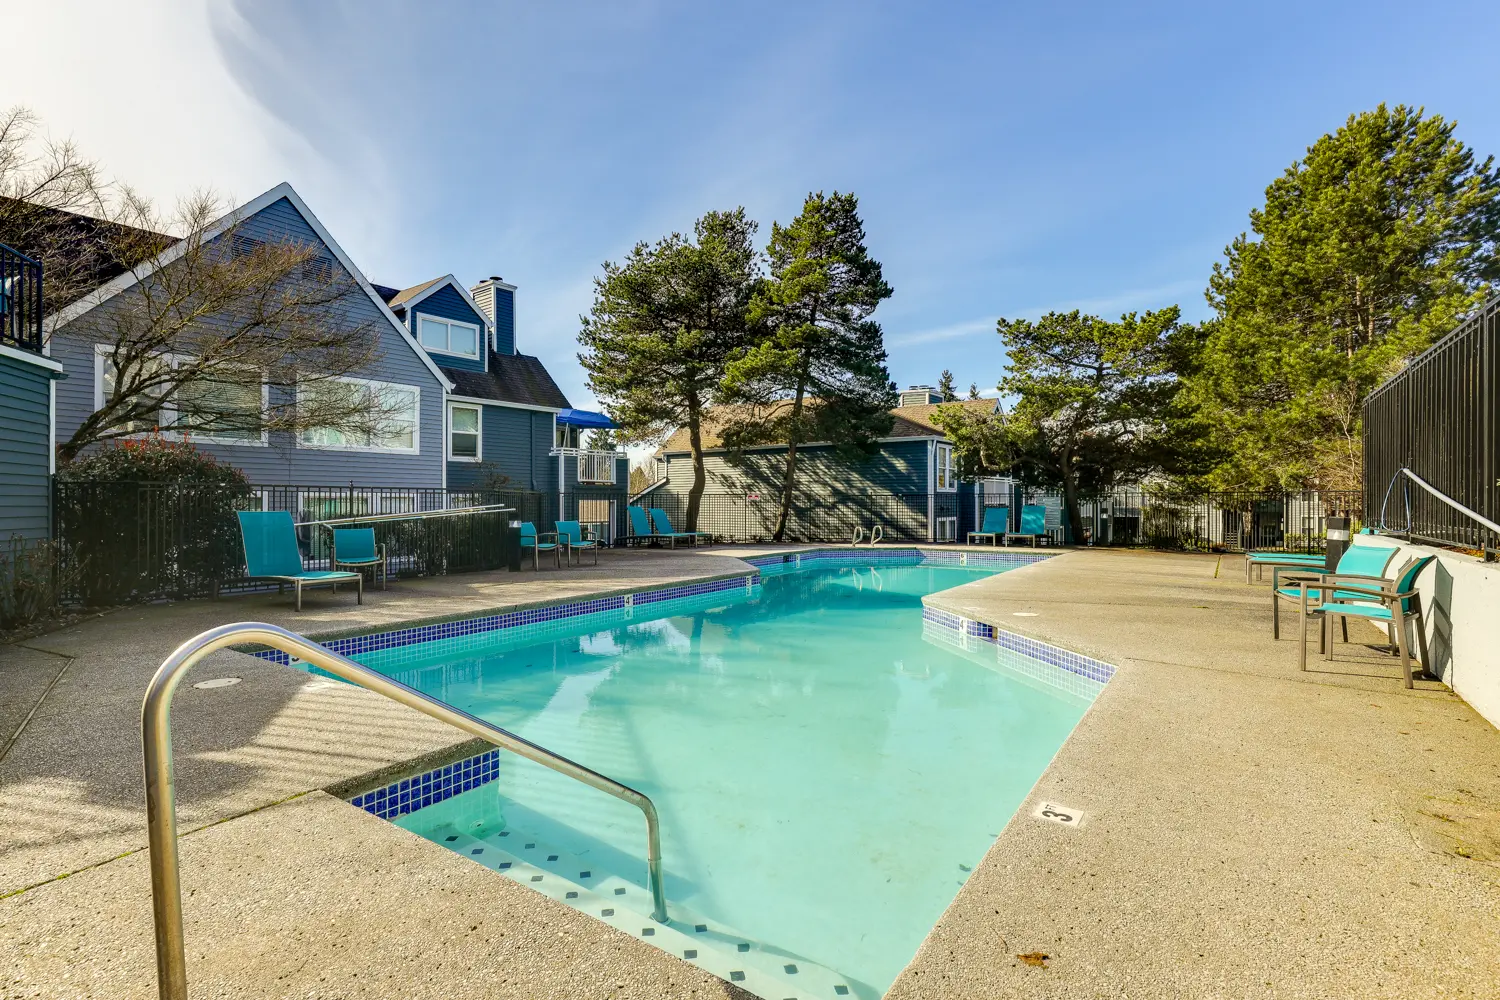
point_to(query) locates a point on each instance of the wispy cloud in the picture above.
(952, 332)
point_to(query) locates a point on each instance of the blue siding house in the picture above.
(27, 378)
(908, 484)
(413, 458)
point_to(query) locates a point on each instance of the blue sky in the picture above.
(1009, 159)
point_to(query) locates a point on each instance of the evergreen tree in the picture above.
(817, 370)
(1366, 250)
(1093, 398)
(945, 387)
(664, 324)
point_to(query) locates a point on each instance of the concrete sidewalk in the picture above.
(1250, 830)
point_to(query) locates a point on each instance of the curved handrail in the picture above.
(1404, 471)
(876, 534)
(859, 533)
(161, 812)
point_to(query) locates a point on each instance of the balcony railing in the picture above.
(20, 300)
(594, 467)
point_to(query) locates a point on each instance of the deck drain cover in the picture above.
(217, 682)
(1054, 813)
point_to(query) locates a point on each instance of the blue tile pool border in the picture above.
(356, 645)
(767, 565)
(1064, 659)
(430, 787)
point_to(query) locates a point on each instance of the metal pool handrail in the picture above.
(161, 812)
(1438, 494)
(414, 515)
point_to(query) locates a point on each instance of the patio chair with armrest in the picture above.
(1392, 603)
(1033, 525)
(570, 534)
(537, 543)
(996, 524)
(270, 542)
(1362, 562)
(355, 547)
(663, 525)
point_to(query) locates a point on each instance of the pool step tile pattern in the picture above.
(626, 906)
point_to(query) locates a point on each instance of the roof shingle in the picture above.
(512, 378)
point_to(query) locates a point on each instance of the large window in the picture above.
(463, 433)
(448, 336)
(226, 408)
(361, 415)
(946, 480)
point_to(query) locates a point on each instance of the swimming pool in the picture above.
(826, 770)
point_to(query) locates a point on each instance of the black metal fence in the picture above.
(1221, 521)
(1218, 521)
(120, 542)
(1440, 418)
(20, 300)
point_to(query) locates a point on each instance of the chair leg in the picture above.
(1422, 638)
(299, 595)
(1344, 621)
(359, 589)
(1302, 658)
(1276, 615)
(1402, 643)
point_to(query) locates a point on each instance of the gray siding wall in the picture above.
(514, 443)
(834, 493)
(448, 304)
(25, 501)
(281, 461)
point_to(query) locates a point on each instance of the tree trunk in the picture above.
(1070, 504)
(695, 444)
(789, 480)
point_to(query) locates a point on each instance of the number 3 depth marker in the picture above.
(1054, 813)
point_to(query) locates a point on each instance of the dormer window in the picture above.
(447, 336)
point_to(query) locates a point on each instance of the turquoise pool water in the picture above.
(826, 777)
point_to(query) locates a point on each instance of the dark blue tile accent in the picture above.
(790, 970)
(420, 791)
(736, 976)
(585, 874)
(606, 913)
(700, 928)
(742, 946)
(571, 895)
(690, 953)
(648, 931)
(504, 865)
(841, 990)
(619, 892)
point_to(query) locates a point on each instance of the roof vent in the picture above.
(919, 395)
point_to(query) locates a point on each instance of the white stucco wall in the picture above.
(1461, 599)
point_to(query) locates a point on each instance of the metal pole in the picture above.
(161, 812)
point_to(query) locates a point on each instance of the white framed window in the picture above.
(396, 430)
(945, 529)
(465, 423)
(220, 410)
(945, 478)
(448, 336)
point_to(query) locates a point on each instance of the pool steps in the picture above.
(625, 906)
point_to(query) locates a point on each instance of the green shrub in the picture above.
(31, 581)
(147, 519)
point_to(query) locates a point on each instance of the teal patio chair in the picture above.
(1392, 603)
(1033, 524)
(1359, 562)
(1260, 560)
(271, 553)
(663, 525)
(641, 529)
(355, 547)
(996, 525)
(533, 541)
(570, 534)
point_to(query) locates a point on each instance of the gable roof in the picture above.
(120, 282)
(908, 422)
(407, 298)
(512, 378)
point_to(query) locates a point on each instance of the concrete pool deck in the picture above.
(1250, 831)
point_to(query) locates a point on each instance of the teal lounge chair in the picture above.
(356, 547)
(641, 530)
(1033, 524)
(570, 534)
(1359, 562)
(533, 541)
(663, 525)
(996, 525)
(1260, 560)
(270, 541)
(1394, 603)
